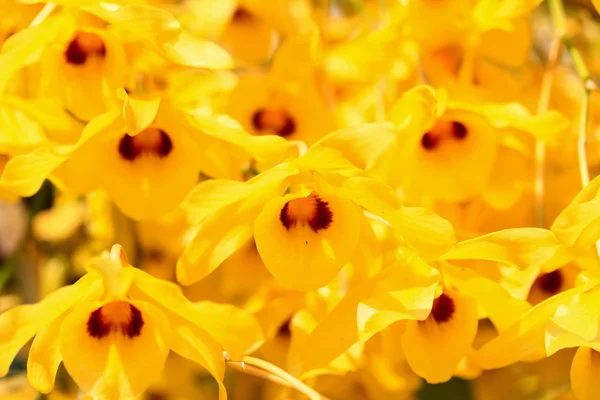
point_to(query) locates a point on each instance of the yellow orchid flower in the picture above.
(548, 377)
(83, 61)
(110, 322)
(76, 56)
(577, 225)
(476, 41)
(565, 320)
(241, 280)
(319, 221)
(248, 29)
(450, 150)
(403, 291)
(145, 156)
(286, 100)
(435, 313)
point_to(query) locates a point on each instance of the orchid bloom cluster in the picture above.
(288, 199)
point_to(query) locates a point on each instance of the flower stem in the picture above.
(251, 370)
(540, 146)
(43, 14)
(557, 13)
(256, 366)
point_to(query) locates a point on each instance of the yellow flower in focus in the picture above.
(113, 320)
(318, 222)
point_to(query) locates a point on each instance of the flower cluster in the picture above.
(348, 199)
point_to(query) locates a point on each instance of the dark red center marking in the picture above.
(311, 210)
(101, 321)
(550, 282)
(241, 14)
(443, 308)
(83, 46)
(459, 130)
(151, 141)
(430, 141)
(274, 120)
(284, 330)
(443, 130)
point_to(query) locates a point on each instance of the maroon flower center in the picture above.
(443, 130)
(274, 120)
(284, 330)
(83, 46)
(242, 15)
(550, 282)
(116, 316)
(151, 141)
(443, 308)
(311, 210)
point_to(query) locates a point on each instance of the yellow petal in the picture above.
(338, 331)
(141, 22)
(237, 331)
(25, 47)
(264, 149)
(331, 338)
(504, 10)
(580, 316)
(217, 238)
(57, 123)
(213, 194)
(305, 241)
(138, 113)
(160, 30)
(585, 373)
(228, 226)
(109, 366)
(361, 145)
(193, 343)
(415, 110)
(500, 307)
(44, 357)
(524, 341)
(521, 247)
(446, 342)
(190, 51)
(422, 229)
(19, 324)
(325, 159)
(412, 302)
(558, 338)
(24, 174)
(578, 225)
